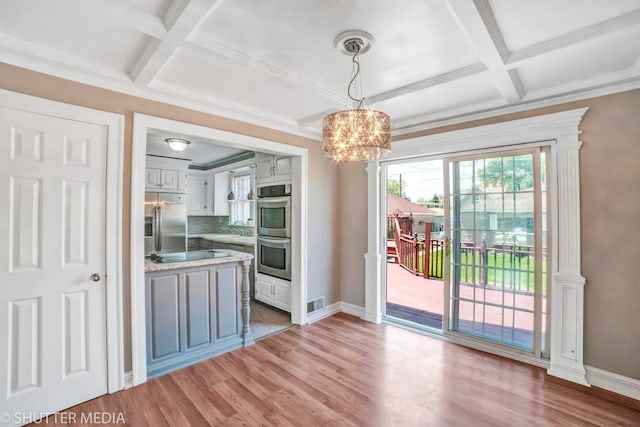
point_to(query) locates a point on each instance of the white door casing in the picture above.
(142, 124)
(560, 132)
(55, 208)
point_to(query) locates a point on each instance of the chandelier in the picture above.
(357, 134)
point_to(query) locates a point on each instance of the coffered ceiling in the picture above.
(274, 63)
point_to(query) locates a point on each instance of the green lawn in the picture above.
(499, 272)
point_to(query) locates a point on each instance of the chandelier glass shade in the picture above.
(357, 134)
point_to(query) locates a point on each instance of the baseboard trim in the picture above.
(352, 309)
(127, 380)
(616, 383)
(327, 311)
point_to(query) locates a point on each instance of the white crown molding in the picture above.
(243, 113)
(17, 51)
(615, 27)
(233, 110)
(536, 128)
(604, 80)
(617, 87)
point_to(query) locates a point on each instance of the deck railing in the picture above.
(500, 265)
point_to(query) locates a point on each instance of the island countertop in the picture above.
(227, 238)
(234, 256)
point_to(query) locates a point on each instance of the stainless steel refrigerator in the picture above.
(165, 218)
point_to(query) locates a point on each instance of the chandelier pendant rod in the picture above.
(355, 61)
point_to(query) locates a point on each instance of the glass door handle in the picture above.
(447, 246)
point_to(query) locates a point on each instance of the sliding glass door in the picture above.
(496, 248)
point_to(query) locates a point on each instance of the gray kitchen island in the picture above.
(196, 309)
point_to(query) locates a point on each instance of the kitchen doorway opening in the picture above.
(145, 125)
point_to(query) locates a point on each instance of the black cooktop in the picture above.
(185, 256)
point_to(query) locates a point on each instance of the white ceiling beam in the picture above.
(123, 12)
(477, 21)
(460, 73)
(182, 20)
(614, 27)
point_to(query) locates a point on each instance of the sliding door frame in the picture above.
(535, 150)
(560, 132)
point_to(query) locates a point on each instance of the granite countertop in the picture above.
(227, 238)
(234, 256)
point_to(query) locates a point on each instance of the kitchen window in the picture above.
(241, 209)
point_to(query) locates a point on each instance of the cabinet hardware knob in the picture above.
(95, 277)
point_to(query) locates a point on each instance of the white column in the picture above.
(373, 257)
(567, 285)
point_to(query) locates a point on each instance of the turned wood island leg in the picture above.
(247, 337)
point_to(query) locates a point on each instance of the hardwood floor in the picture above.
(342, 371)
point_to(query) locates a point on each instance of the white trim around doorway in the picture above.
(560, 132)
(142, 125)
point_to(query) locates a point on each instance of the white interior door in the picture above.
(52, 240)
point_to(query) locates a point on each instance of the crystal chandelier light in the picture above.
(357, 134)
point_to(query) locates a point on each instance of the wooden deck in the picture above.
(408, 290)
(342, 371)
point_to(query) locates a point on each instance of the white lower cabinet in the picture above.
(273, 291)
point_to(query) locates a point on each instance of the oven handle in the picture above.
(282, 242)
(274, 200)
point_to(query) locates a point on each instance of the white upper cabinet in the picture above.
(166, 175)
(220, 192)
(200, 194)
(272, 170)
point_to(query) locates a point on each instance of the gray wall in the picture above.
(610, 211)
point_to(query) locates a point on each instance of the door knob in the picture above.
(95, 277)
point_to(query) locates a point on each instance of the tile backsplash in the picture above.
(216, 225)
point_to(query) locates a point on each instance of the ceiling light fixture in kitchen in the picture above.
(177, 144)
(356, 134)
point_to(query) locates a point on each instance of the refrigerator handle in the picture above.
(158, 228)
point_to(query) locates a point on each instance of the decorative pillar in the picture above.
(373, 258)
(247, 337)
(567, 285)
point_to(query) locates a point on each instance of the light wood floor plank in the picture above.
(342, 371)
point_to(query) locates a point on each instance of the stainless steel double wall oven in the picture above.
(274, 231)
